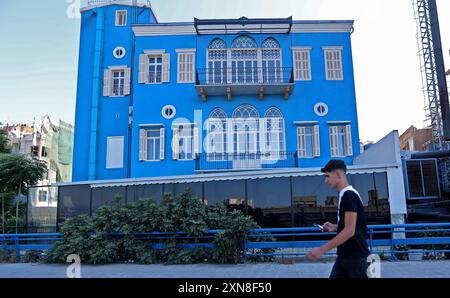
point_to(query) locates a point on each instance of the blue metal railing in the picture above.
(239, 161)
(245, 76)
(382, 239)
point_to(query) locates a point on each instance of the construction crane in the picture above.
(433, 72)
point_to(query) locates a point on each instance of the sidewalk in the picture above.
(425, 269)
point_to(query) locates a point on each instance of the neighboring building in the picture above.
(229, 94)
(48, 142)
(414, 139)
(242, 111)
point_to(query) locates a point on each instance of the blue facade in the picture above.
(299, 48)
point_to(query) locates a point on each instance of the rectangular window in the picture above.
(186, 67)
(333, 63)
(341, 141)
(114, 152)
(302, 64)
(151, 144)
(121, 18)
(118, 82)
(308, 141)
(155, 68)
(185, 142)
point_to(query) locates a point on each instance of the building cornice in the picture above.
(162, 29)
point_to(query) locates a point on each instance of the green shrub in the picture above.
(96, 241)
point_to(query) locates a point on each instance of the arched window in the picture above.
(244, 42)
(217, 44)
(270, 43)
(244, 60)
(271, 61)
(218, 113)
(217, 62)
(216, 138)
(246, 132)
(245, 111)
(273, 141)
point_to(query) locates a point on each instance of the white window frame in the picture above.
(120, 83)
(108, 81)
(144, 66)
(347, 140)
(186, 66)
(216, 150)
(177, 153)
(113, 161)
(143, 142)
(124, 14)
(333, 65)
(315, 140)
(301, 57)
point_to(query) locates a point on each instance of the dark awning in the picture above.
(234, 26)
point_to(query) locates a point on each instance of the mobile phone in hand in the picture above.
(319, 226)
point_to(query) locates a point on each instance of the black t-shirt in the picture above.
(355, 247)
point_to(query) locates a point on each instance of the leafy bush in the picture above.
(95, 239)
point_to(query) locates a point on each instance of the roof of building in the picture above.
(102, 3)
(243, 24)
(229, 175)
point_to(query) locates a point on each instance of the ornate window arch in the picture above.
(245, 111)
(217, 43)
(270, 43)
(244, 42)
(218, 113)
(273, 112)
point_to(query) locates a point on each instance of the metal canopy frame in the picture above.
(233, 26)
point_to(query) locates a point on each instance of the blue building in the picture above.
(241, 111)
(163, 99)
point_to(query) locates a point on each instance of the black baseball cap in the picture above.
(333, 165)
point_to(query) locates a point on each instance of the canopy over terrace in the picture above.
(276, 198)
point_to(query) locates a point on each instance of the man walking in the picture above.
(351, 242)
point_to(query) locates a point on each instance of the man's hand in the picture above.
(315, 254)
(329, 227)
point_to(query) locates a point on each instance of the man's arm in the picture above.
(347, 233)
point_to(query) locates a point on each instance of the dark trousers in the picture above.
(349, 268)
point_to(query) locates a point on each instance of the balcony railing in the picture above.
(246, 161)
(245, 81)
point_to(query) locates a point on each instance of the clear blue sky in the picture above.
(39, 53)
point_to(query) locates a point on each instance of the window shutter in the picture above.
(107, 82)
(161, 143)
(143, 69)
(127, 77)
(175, 144)
(142, 144)
(348, 140)
(230, 136)
(316, 141)
(307, 65)
(296, 66)
(301, 141)
(333, 141)
(195, 140)
(263, 135)
(166, 68)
